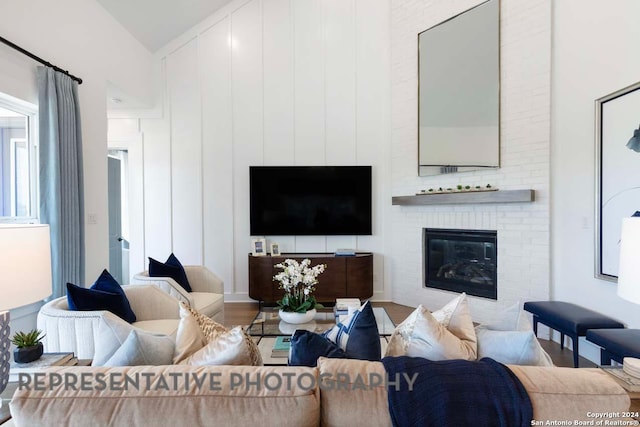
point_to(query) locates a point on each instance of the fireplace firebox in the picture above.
(461, 261)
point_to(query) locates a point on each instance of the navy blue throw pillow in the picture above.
(172, 268)
(358, 334)
(105, 294)
(307, 347)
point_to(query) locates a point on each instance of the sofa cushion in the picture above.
(208, 303)
(171, 268)
(220, 400)
(576, 394)
(446, 334)
(105, 294)
(357, 335)
(368, 404)
(143, 348)
(307, 347)
(508, 338)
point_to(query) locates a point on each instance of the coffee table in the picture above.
(267, 326)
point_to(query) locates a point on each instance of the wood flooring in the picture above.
(242, 313)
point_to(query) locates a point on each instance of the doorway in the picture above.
(118, 191)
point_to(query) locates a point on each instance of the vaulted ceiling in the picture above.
(156, 22)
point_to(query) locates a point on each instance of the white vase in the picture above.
(297, 318)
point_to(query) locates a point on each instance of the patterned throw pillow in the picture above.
(221, 345)
(445, 334)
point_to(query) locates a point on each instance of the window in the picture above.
(18, 160)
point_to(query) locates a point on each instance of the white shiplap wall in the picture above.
(265, 82)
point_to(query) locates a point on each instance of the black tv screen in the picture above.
(310, 200)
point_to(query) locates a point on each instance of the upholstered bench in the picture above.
(568, 319)
(615, 344)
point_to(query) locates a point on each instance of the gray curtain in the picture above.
(61, 183)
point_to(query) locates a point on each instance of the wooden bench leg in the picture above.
(576, 355)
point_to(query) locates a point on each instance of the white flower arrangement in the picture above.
(298, 279)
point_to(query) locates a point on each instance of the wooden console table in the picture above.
(345, 276)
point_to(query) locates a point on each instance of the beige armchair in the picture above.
(76, 331)
(208, 289)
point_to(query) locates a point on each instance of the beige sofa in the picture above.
(228, 399)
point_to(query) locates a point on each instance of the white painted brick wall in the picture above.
(523, 229)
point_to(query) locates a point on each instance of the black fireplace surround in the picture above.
(461, 261)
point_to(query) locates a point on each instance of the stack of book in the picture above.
(627, 381)
(281, 347)
(45, 361)
(344, 307)
(345, 252)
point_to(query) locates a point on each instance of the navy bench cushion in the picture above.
(570, 317)
(620, 342)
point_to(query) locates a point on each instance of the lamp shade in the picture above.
(25, 264)
(629, 271)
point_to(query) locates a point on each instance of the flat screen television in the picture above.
(310, 200)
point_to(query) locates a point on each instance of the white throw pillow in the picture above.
(512, 318)
(111, 334)
(446, 334)
(512, 347)
(189, 337)
(508, 338)
(143, 348)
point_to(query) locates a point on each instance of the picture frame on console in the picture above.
(258, 247)
(617, 174)
(275, 249)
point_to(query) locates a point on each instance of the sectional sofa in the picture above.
(246, 396)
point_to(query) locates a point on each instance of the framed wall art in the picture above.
(617, 173)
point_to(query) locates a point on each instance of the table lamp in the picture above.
(629, 268)
(25, 277)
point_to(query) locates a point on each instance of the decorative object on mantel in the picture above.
(466, 197)
(459, 189)
(298, 279)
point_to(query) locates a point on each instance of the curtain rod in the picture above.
(40, 60)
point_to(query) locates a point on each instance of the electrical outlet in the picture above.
(92, 218)
(585, 223)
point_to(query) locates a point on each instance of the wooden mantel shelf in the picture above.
(471, 197)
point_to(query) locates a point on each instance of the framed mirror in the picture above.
(459, 92)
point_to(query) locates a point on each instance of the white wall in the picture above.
(265, 82)
(522, 228)
(80, 36)
(592, 57)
